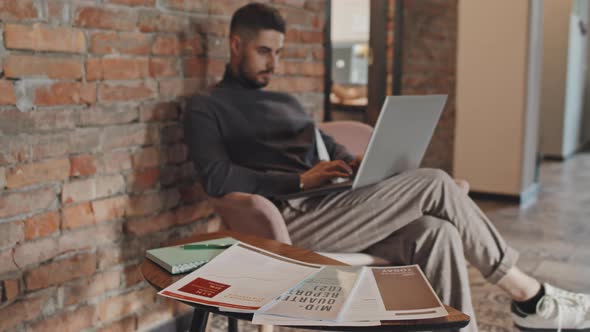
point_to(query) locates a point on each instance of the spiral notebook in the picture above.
(177, 259)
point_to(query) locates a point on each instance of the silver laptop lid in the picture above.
(400, 138)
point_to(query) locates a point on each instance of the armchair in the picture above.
(256, 215)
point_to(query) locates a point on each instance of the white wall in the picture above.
(350, 21)
(493, 88)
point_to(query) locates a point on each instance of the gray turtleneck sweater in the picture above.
(250, 140)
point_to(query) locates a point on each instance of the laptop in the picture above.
(398, 143)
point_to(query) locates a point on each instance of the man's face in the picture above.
(257, 57)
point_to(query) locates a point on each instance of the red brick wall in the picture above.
(429, 65)
(92, 166)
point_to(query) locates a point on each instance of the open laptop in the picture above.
(398, 143)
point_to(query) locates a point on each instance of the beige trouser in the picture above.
(418, 217)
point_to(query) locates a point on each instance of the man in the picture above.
(243, 138)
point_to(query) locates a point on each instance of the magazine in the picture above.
(243, 277)
(284, 291)
(364, 295)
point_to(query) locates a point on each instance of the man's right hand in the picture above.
(323, 172)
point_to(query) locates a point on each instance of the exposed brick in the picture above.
(2, 178)
(16, 122)
(101, 18)
(291, 52)
(315, 6)
(77, 216)
(102, 115)
(89, 237)
(117, 69)
(82, 165)
(17, 10)
(35, 252)
(146, 157)
(123, 305)
(292, 3)
(193, 212)
(58, 12)
(66, 93)
(159, 22)
(193, 45)
(87, 288)
(109, 209)
(177, 153)
(43, 38)
(93, 69)
(23, 310)
(115, 162)
(195, 67)
(159, 112)
(132, 275)
(11, 233)
(170, 175)
(84, 140)
(193, 193)
(130, 135)
(172, 133)
(75, 320)
(120, 253)
(144, 204)
(120, 42)
(7, 95)
(36, 173)
(126, 92)
(14, 150)
(144, 3)
(46, 146)
(128, 324)
(60, 271)
(174, 88)
(166, 45)
(15, 203)
(150, 319)
(41, 225)
(297, 17)
(18, 66)
(8, 265)
(160, 67)
(217, 27)
(90, 189)
(11, 288)
(223, 7)
(186, 5)
(143, 179)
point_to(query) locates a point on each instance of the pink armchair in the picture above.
(256, 215)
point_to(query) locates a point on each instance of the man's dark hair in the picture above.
(254, 17)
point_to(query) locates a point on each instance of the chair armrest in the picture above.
(251, 214)
(463, 185)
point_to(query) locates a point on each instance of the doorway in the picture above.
(355, 48)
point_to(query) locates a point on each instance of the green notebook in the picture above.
(178, 259)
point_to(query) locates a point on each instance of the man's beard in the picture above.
(252, 82)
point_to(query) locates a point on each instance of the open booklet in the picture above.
(283, 291)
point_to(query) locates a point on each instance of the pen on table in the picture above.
(205, 246)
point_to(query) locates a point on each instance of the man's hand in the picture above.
(356, 162)
(323, 172)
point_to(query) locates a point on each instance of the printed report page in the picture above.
(243, 277)
(393, 293)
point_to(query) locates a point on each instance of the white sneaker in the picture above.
(558, 309)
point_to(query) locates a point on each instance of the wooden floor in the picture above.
(553, 237)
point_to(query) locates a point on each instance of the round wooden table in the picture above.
(160, 279)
